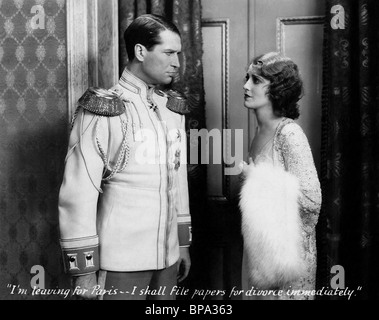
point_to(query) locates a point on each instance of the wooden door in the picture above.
(294, 27)
(234, 31)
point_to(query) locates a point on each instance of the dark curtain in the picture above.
(186, 15)
(350, 153)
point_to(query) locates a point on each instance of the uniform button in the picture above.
(72, 259)
(88, 256)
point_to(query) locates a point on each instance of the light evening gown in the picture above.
(290, 149)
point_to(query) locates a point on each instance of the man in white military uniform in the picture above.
(123, 204)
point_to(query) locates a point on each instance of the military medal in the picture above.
(177, 160)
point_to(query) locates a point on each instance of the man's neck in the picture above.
(134, 69)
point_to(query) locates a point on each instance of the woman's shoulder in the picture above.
(290, 132)
(289, 127)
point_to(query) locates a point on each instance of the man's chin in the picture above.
(168, 80)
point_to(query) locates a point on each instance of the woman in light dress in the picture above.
(272, 90)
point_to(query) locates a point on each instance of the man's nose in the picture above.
(175, 61)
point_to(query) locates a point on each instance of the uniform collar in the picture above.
(132, 83)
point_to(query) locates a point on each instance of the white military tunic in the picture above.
(137, 219)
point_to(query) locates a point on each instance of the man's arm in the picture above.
(184, 217)
(78, 199)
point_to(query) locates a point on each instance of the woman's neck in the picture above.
(267, 120)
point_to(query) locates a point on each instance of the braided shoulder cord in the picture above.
(124, 153)
(100, 148)
(84, 159)
(74, 116)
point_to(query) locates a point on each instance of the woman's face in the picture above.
(256, 88)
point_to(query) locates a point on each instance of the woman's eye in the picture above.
(256, 80)
(253, 78)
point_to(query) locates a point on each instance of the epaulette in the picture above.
(176, 102)
(102, 102)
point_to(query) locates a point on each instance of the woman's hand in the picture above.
(243, 166)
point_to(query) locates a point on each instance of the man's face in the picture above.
(161, 64)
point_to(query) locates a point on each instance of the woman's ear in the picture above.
(139, 52)
(267, 87)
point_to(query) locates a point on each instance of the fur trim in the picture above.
(271, 226)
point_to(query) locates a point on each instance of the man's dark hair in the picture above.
(146, 30)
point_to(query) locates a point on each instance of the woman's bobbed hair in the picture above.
(286, 85)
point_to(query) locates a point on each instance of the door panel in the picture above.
(234, 32)
(294, 27)
(224, 70)
(225, 30)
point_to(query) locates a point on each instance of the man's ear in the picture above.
(139, 52)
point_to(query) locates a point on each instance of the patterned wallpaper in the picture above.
(33, 135)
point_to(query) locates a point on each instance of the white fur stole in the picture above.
(271, 226)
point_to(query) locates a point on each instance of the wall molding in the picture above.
(93, 40)
(77, 52)
(92, 47)
(107, 45)
(224, 26)
(281, 22)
